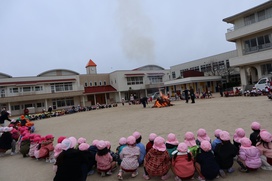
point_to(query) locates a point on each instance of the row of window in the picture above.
(95, 83)
(259, 16)
(67, 86)
(64, 102)
(258, 43)
(25, 89)
(134, 80)
(18, 107)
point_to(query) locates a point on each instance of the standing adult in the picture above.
(186, 94)
(4, 116)
(144, 101)
(220, 89)
(50, 109)
(192, 94)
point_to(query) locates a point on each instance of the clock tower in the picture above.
(91, 67)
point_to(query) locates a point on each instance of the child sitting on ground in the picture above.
(238, 135)
(129, 156)
(217, 138)
(249, 156)
(201, 136)
(157, 160)
(183, 163)
(189, 140)
(122, 144)
(103, 159)
(171, 143)
(83, 148)
(255, 135)
(138, 138)
(205, 164)
(150, 143)
(265, 147)
(224, 153)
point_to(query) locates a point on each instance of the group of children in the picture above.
(75, 159)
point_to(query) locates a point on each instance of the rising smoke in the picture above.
(136, 39)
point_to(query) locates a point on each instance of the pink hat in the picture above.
(108, 144)
(152, 136)
(83, 147)
(239, 134)
(24, 138)
(255, 126)
(73, 140)
(224, 136)
(81, 140)
(101, 145)
(190, 139)
(95, 142)
(57, 149)
(205, 145)
(202, 135)
(136, 134)
(42, 139)
(266, 136)
(36, 139)
(172, 139)
(245, 142)
(159, 143)
(61, 138)
(122, 141)
(49, 136)
(182, 147)
(66, 144)
(131, 140)
(217, 133)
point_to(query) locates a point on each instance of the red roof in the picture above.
(90, 64)
(99, 89)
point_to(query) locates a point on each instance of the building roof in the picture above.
(149, 67)
(262, 6)
(57, 72)
(192, 80)
(90, 64)
(35, 82)
(99, 89)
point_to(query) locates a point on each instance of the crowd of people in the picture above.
(75, 159)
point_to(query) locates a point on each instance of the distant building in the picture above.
(252, 34)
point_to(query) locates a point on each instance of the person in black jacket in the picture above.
(7, 142)
(186, 94)
(4, 116)
(69, 163)
(224, 153)
(192, 94)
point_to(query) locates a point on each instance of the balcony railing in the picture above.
(259, 48)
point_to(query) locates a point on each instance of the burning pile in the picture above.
(162, 101)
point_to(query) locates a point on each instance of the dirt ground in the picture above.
(112, 123)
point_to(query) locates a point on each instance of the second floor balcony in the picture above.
(258, 48)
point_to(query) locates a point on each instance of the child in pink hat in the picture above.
(224, 153)
(122, 144)
(157, 160)
(183, 163)
(205, 164)
(138, 137)
(217, 138)
(129, 156)
(83, 148)
(189, 140)
(201, 136)
(249, 156)
(33, 144)
(150, 142)
(103, 159)
(171, 143)
(265, 147)
(238, 135)
(255, 135)
(80, 140)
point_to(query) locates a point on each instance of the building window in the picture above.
(91, 84)
(258, 43)
(15, 107)
(62, 86)
(100, 83)
(40, 104)
(95, 83)
(64, 102)
(13, 90)
(105, 83)
(261, 15)
(227, 64)
(173, 75)
(86, 84)
(25, 89)
(38, 88)
(155, 79)
(134, 80)
(248, 20)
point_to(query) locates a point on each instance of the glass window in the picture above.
(40, 104)
(91, 84)
(14, 90)
(85, 84)
(26, 89)
(105, 83)
(134, 80)
(261, 15)
(95, 83)
(173, 75)
(15, 107)
(248, 20)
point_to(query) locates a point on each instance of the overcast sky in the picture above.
(36, 36)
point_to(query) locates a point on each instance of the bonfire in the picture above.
(162, 101)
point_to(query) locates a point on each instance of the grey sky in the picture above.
(36, 36)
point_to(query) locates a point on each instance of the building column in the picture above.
(83, 100)
(243, 76)
(120, 98)
(9, 108)
(146, 92)
(94, 99)
(259, 71)
(46, 104)
(106, 98)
